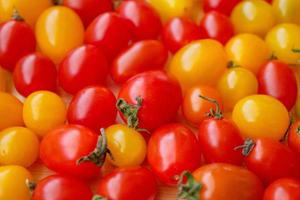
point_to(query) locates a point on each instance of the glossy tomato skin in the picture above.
(178, 32)
(223, 6)
(172, 149)
(57, 187)
(294, 137)
(82, 67)
(71, 143)
(35, 72)
(161, 97)
(285, 188)
(276, 79)
(142, 56)
(17, 39)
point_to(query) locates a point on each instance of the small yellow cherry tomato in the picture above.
(58, 30)
(43, 111)
(127, 146)
(199, 63)
(235, 84)
(6, 10)
(259, 116)
(282, 40)
(18, 146)
(287, 10)
(248, 51)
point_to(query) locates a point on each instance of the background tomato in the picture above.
(294, 136)
(3, 79)
(287, 10)
(285, 188)
(223, 6)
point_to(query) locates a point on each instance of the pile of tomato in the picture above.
(198, 95)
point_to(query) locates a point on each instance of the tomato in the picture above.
(178, 32)
(104, 32)
(149, 100)
(248, 51)
(6, 10)
(93, 107)
(58, 186)
(200, 62)
(223, 6)
(10, 110)
(195, 108)
(259, 116)
(35, 72)
(43, 111)
(144, 17)
(136, 183)
(172, 149)
(83, 66)
(285, 188)
(216, 26)
(58, 30)
(294, 136)
(16, 39)
(283, 40)
(235, 84)
(88, 10)
(142, 56)
(3, 79)
(287, 10)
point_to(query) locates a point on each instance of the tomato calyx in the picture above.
(247, 147)
(189, 190)
(30, 185)
(232, 64)
(217, 113)
(117, 3)
(57, 2)
(273, 57)
(98, 197)
(16, 16)
(294, 50)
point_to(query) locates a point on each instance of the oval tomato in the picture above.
(285, 188)
(223, 6)
(294, 136)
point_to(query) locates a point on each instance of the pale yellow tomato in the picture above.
(287, 10)
(6, 10)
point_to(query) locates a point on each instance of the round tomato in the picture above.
(223, 6)
(287, 10)
(294, 136)
(285, 188)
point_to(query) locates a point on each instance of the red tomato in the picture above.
(136, 183)
(149, 100)
(93, 107)
(144, 17)
(142, 56)
(60, 187)
(276, 79)
(216, 26)
(283, 189)
(172, 149)
(294, 137)
(16, 40)
(178, 32)
(83, 66)
(110, 32)
(35, 72)
(223, 6)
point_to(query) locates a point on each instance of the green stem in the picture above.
(213, 113)
(247, 147)
(16, 15)
(189, 190)
(98, 197)
(57, 2)
(30, 185)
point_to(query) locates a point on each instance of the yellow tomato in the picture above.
(13, 183)
(6, 10)
(58, 30)
(43, 111)
(253, 16)
(282, 39)
(18, 146)
(260, 116)
(248, 51)
(199, 63)
(287, 10)
(127, 146)
(236, 84)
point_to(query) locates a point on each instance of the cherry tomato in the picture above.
(43, 111)
(285, 188)
(149, 100)
(136, 183)
(294, 136)
(93, 107)
(6, 10)
(178, 32)
(287, 10)
(60, 187)
(222, 6)
(58, 30)
(259, 116)
(144, 17)
(216, 26)
(83, 66)
(172, 149)
(35, 72)
(142, 56)
(200, 62)
(16, 39)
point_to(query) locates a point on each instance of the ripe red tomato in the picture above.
(149, 100)
(283, 189)
(82, 67)
(294, 137)
(142, 56)
(17, 40)
(93, 107)
(223, 6)
(136, 183)
(178, 32)
(144, 17)
(61, 187)
(172, 149)
(216, 26)
(276, 79)
(35, 72)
